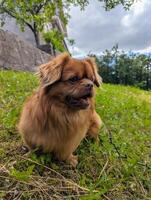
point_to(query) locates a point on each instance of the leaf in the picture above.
(22, 175)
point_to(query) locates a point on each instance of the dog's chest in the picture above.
(70, 125)
(76, 129)
(78, 123)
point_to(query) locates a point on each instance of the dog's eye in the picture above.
(74, 79)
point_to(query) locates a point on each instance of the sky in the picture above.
(95, 30)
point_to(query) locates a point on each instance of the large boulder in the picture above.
(16, 54)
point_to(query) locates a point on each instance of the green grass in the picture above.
(119, 168)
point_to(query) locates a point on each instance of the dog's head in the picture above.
(70, 81)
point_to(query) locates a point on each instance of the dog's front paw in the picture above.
(73, 160)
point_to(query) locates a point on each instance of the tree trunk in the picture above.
(54, 50)
(36, 34)
(37, 39)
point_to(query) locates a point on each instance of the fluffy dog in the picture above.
(61, 112)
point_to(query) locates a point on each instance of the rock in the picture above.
(46, 48)
(16, 54)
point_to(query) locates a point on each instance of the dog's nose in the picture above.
(89, 86)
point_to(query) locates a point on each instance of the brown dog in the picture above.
(61, 112)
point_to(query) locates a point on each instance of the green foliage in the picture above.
(118, 168)
(36, 13)
(26, 195)
(71, 41)
(1, 195)
(125, 68)
(110, 4)
(43, 159)
(55, 38)
(32, 13)
(22, 175)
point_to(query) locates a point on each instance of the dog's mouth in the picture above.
(80, 102)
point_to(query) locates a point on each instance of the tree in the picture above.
(55, 38)
(125, 68)
(110, 4)
(36, 13)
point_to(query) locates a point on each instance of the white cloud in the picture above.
(146, 50)
(76, 52)
(96, 30)
(136, 11)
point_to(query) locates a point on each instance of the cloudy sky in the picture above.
(95, 30)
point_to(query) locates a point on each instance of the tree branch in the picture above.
(11, 14)
(38, 8)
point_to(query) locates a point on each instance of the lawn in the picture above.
(119, 168)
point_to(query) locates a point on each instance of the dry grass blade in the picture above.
(53, 185)
(106, 197)
(103, 169)
(63, 179)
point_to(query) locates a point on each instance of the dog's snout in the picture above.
(89, 86)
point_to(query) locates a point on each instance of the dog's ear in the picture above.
(51, 72)
(98, 79)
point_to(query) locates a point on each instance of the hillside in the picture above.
(119, 168)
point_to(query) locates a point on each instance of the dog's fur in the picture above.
(61, 112)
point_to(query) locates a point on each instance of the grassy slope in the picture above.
(119, 168)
